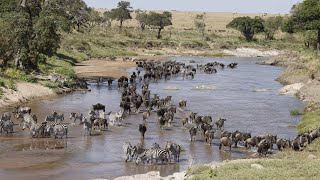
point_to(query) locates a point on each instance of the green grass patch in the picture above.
(18, 75)
(309, 121)
(296, 112)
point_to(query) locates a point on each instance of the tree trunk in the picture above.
(159, 33)
(121, 22)
(318, 41)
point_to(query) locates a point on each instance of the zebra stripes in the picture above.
(129, 151)
(153, 154)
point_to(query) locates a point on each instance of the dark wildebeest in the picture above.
(209, 135)
(182, 104)
(283, 144)
(142, 129)
(263, 147)
(99, 107)
(220, 124)
(193, 133)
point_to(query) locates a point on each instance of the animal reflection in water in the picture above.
(134, 101)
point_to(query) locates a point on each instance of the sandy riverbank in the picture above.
(25, 92)
(109, 69)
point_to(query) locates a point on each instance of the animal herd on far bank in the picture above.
(132, 102)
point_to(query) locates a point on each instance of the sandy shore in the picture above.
(25, 92)
(109, 69)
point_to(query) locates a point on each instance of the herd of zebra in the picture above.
(171, 152)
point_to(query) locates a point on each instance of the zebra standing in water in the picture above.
(57, 129)
(173, 151)
(129, 151)
(153, 154)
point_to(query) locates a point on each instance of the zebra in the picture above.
(87, 126)
(76, 117)
(27, 119)
(57, 129)
(6, 116)
(153, 154)
(6, 126)
(58, 116)
(50, 118)
(129, 151)
(37, 129)
(174, 150)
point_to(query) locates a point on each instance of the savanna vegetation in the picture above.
(38, 36)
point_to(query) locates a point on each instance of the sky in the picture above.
(240, 6)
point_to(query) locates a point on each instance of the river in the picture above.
(246, 96)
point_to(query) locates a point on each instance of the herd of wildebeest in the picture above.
(133, 103)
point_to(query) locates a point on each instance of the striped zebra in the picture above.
(153, 154)
(173, 150)
(129, 151)
(87, 126)
(57, 129)
(6, 126)
(37, 129)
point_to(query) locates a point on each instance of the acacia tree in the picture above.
(247, 26)
(142, 18)
(271, 26)
(159, 21)
(306, 16)
(122, 12)
(200, 24)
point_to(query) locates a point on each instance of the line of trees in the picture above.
(305, 18)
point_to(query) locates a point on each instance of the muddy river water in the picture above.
(246, 96)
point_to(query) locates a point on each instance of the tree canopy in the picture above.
(305, 16)
(271, 26)
(122, 12)
(159, 21)
(200, 24)
(247, 26)
(30, 28)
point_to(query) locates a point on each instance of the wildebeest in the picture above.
(300, 142)
(220, 123)
(193, 133)
(315, 134)
(225, 141)
(263, 147)
(209, 135)
(99, 107)
(142, 130)
(182, 104)
(283, 144)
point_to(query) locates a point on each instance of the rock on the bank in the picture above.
(153, 175)
(291, 89)
(256, 166)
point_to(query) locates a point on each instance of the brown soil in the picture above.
(108, 69)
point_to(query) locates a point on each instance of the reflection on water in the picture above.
(247, 97)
